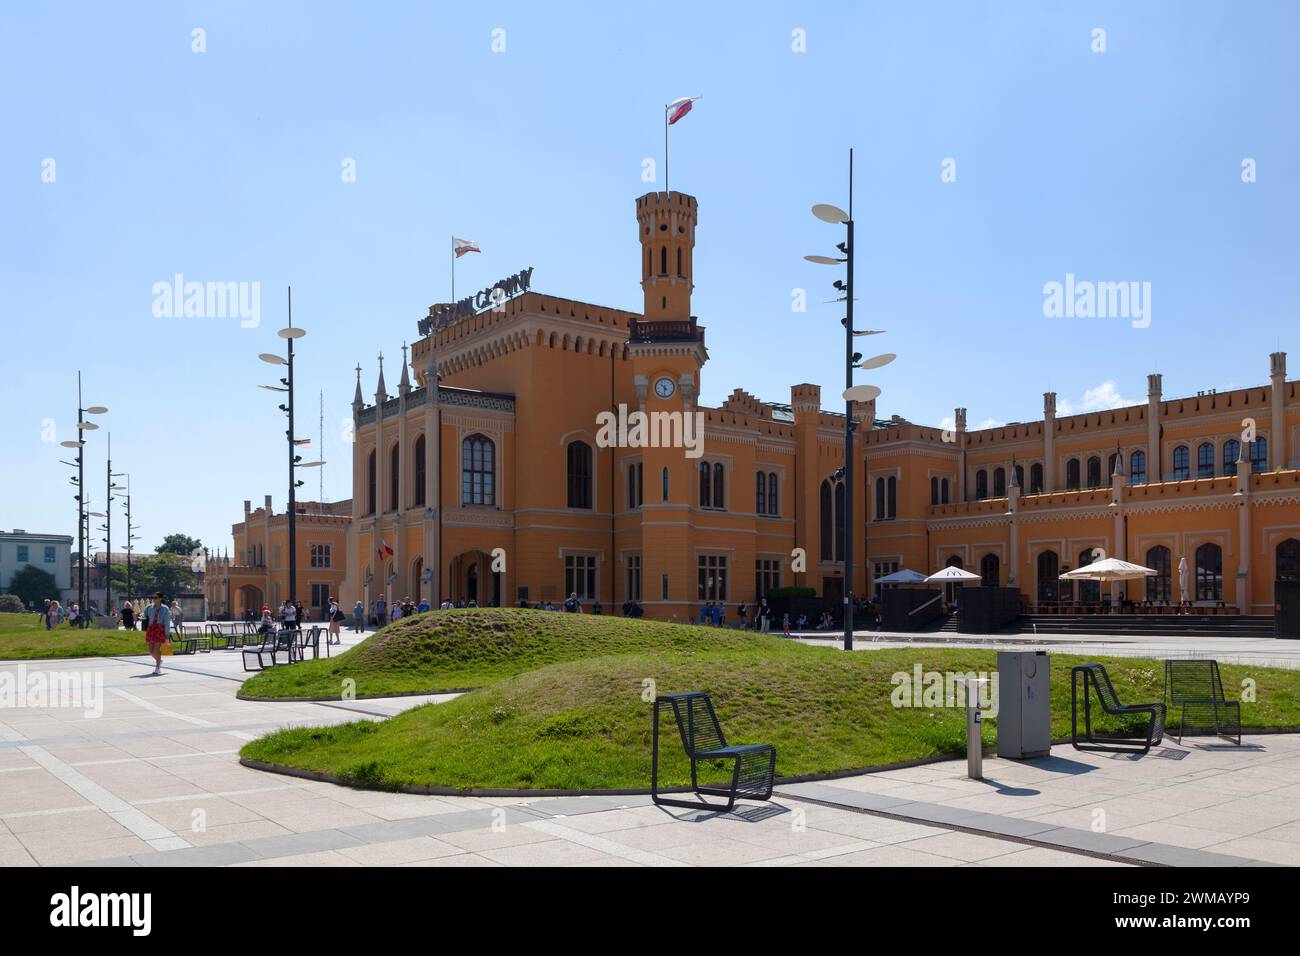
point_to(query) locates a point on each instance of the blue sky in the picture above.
(226, 166)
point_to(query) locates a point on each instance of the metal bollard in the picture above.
(974, 741)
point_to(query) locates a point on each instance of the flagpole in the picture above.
(453, 270)
(665, 148)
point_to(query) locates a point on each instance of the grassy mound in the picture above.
(584, 724)
(23, 637)
(452, 650)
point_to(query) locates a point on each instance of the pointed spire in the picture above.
(381, 391)
(431, 365)
(357, 400)
(1015, 482)
(1119, 464)
(404, 385)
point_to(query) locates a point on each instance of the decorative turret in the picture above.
(357, 401)
(381, 391)
(404, 386)
(666, 226)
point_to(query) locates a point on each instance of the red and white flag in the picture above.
(384, 550)
(462, 246)
(679, 108)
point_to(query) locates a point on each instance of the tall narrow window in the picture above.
(706, 474)
(1089, 591)
(1205, 460)
(773, 504)
(891, 492)
(1049, 567)
(1094, 472)
(718, 487)
(1159, 585)
(1072, 475)
(1209, 572)
(1137, 468)
(989, 570)
(1110, 465)
(1288, 560)
(394, 477)
(826, 522)
(417, 495)
(635, 492)
(839, 521)
(880, 499)
(664, 492)
(943, 492)
(1020, 478)
(370, 484)
(999, 482)
(1036, 478)
(981, 484)
(663, 260)
(760, 493)
(934, 491)
(478, 471)
(679, 261)
(580, 474)
(1259, 455)
(1231, 452)
(1182, 463)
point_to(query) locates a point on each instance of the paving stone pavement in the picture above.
(154, 779)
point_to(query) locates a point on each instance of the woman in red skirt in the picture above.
(157, 629)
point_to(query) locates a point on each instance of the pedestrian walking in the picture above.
(336, 618)
(157, 630)
(358, 618)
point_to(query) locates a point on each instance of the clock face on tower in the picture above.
(665, 387)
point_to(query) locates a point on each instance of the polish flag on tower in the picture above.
(679, 108)
(384, 550)
(462, 246)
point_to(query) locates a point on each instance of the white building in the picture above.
(49, 552)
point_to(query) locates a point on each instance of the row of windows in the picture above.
(22, 554)
(1256, 453)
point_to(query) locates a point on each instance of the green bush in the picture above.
(11, 604)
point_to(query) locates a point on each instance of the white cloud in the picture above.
(1096, 399)
(990, 423)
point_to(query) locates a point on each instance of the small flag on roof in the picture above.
(679, 108)
(462, 246)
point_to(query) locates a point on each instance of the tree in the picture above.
(178, 543)
(32, 585)
(165, 572)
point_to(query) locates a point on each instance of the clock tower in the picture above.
(666, 347)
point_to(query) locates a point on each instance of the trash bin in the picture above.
(1024, 704)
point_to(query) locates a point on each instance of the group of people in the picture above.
(55, 614)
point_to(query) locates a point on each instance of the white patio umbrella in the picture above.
(1182, 578)
(1109, 569)
(952, 575)
(902, 576)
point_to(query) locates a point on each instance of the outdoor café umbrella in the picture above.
(952, 575)
(905, 576)
(1109, 569)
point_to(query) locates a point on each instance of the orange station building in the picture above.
(489, 475)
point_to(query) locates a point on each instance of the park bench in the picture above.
(308, 638)
(274, 642)
(1196, 687)
(1096, 676)
(189, 639)
(753, 765)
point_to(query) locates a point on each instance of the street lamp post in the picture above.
(852, 393)
(82, 530)
(289, 334)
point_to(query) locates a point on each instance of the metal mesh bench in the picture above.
(753, 765)
(273, 643)
(189, 639)
(1095, 675)
(1196, 689)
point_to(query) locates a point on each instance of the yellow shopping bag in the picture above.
(166, 648)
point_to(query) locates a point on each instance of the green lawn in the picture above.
(23, 637)
(582, 722)
(459, 649)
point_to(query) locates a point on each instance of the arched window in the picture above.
(1259, 455)
(417, 496)
(1110, 465)
(989, 571)
(954, 561)
(665, 485)
(773, 503)
(891, 493)
(478, 475)
(1160, 586)
(1182, 463)
(1036, 479)
(880, 499)
(1089, 591)
(1205, 460)
(999, 482)
(1288, 560)
(1020, 477)
(760, 493)
(1137, 468)
(1072, 475)
(1049, 568)
(826, 524)
(370, 484)
(1094, 472)
(1209, 572)
(663, 260)
(394, 477)
(580, 474)
(839, 521)
(1231, 452)
(934, 491)
(635, 491)
(943, 492)
(981, 484)
(706, 494)
(718, 486)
